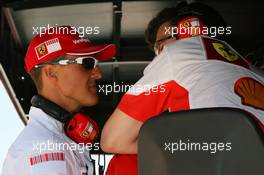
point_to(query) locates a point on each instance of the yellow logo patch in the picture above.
(42, 49)
(85, 134)
(186, 24)
(225, 52)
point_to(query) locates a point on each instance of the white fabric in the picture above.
(42, 129)
(210, 83)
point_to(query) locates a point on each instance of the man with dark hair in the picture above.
(191, 70)
(64, 69)
(173, 14)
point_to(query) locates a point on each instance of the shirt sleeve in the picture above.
(154, 93)
(31, 163)
(52, 163)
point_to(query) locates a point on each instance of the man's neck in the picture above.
(68, 105)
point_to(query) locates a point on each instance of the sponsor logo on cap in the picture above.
(192, 25)
(186, 24)
(41, 50)
(81, 41)
(47, 47)
(195, 22)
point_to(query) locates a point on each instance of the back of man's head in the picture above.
(208, 15)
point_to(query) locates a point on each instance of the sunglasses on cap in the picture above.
(87, 62)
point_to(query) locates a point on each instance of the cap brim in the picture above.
(101, 52)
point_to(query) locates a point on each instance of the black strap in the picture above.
(50, 108)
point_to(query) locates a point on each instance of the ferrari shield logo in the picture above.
(42, 49)
(186, 24)
(85, 134)
(225, 52)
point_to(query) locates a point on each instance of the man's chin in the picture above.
(92, 101)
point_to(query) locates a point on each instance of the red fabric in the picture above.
(123, 165)
(190, 26)
(260, 125)
(67, 41)
(46, 157)
(82, 128)
(148, 104)
(143, 107)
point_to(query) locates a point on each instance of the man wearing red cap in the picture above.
(64, 69)
(191, 70)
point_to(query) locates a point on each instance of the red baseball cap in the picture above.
(61, 40)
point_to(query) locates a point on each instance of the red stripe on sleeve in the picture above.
(170, 96)
(46, 157)
(31, 161)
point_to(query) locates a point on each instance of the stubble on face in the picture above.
(76, 85)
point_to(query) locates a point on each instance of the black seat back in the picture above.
(239, 142)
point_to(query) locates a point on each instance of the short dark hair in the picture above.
(35, 73)
(207, 14)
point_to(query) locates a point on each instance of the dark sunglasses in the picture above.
(87, 62)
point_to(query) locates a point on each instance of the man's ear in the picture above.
(50, 72)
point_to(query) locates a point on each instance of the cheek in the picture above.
(69, 82)
(66, 84)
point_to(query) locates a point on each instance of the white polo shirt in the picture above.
(196, 72)
(42, 148)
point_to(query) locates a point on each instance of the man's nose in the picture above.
(96, 73)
